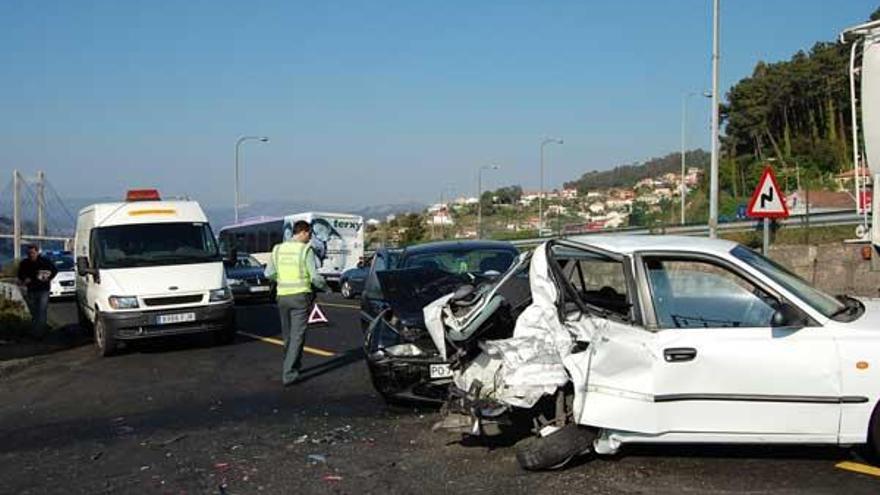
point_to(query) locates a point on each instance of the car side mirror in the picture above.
(786, 315)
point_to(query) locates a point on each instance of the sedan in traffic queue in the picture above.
(64, 283)
(247, 280)
(403, 362)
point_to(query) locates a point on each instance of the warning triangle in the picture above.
(317, 316)
(767, 200)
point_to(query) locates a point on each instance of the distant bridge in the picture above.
(33, 203)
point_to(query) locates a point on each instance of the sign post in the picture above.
(767, 202)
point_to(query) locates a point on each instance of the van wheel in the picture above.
(556, 449)
(225, 336)
(82, 319)
(104, 342)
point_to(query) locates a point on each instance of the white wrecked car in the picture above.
(657, 339)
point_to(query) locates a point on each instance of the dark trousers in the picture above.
(294, 312)
(38, 304)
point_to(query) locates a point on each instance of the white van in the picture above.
(338, 240)
(146, 268)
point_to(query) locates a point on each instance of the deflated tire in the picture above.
(556, 449)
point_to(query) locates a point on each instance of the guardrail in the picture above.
(827, 219)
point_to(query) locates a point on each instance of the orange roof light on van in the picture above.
(142, 195)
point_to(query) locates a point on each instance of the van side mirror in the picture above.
(786, 315)
(83, 268)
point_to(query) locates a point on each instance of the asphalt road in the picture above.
(184, 416)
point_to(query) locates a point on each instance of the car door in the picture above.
(372, 299)
(721, 367)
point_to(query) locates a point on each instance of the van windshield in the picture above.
(128, 246)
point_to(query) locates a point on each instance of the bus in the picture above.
(337, 239)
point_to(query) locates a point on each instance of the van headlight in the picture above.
(218, 295)
(123, 302)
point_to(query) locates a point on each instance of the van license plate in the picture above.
(176, 318)
(260, 288)
(440, 371)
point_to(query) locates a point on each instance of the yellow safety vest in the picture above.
(292, 275)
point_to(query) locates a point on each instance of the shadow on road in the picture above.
(58, 339)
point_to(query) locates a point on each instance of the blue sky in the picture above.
(367, 102)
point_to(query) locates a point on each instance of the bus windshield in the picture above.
(128, 246)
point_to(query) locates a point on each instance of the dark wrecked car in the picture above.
(403, 361)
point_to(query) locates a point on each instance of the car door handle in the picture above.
(679, 354)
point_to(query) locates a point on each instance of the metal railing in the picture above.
(827, 219)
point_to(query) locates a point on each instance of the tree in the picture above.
(415, 229)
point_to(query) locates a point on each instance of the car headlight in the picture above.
(235, 281)
(123, 302)
(222, 294)
(403, 350)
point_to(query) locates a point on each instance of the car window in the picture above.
(700, 294)
(371, 285)
(598, 280)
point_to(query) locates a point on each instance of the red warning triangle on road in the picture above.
(317, 316)
(767, 200)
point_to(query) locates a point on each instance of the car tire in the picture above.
(105, 344)
(556, 449)
(346, 290)
(873, 447)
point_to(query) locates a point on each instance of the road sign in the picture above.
(767, 200)
(317, 316)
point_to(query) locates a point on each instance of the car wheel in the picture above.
(556, 449)
(346, 290)
(873, 449)
(104, 342)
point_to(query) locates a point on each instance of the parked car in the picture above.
(658, 339)
(351, 282)
(64, 283)
(402, 360)
(247, 280)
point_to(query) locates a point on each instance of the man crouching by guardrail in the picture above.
(35, 273)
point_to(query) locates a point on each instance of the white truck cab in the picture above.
(146, 268)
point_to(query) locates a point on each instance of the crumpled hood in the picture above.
(250, 272)
(520, 370)
(158, 280)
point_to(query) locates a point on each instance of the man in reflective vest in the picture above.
(294, 268)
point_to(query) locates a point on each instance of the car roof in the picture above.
(628, 244)
(440, 246)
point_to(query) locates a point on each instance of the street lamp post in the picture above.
(240, 140)
(541, 196)
(682, 187)
(480, 197)
(713, 179)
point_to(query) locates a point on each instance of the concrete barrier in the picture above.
(11, 291)
(835, 268)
